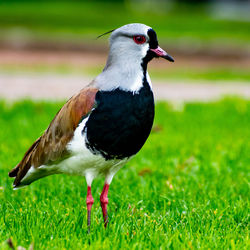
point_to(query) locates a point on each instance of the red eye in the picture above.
(139, 39)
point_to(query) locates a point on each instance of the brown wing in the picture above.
(51, 146)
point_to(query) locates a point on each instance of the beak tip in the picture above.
(159, 52)
(169, 58)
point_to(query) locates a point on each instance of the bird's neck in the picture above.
(126, 74)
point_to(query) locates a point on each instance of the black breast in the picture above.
(121, 123)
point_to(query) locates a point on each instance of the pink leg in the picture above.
(89, 202)
(104, 202)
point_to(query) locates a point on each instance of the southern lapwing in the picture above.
(99, 129)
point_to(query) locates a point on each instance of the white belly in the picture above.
(83, 160)
(80, 162)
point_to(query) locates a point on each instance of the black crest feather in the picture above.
(105, 33)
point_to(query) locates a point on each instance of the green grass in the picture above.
(209, 73)
(176, 26)
(187, 188)
(223, 73)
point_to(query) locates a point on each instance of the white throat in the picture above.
(123, 71)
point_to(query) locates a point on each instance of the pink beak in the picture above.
(162, 53)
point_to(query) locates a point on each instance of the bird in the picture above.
(103, 126)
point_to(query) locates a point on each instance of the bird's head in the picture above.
(132, 46)
(136, 41)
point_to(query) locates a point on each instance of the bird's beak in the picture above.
(159, 52)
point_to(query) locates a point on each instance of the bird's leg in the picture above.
(104, 202)
(89, 202)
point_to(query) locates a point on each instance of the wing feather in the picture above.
(51, 146)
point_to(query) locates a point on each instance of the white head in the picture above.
(124, 48)
(132, 46)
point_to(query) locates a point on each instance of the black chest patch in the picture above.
(121, 123)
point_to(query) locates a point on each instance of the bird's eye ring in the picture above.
(139, 39)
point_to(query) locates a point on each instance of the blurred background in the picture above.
(49, 49)
(189, 186)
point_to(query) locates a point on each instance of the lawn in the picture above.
(213, 74)
(187, 188)
(71, 21)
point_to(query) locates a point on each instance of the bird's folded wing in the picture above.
(51, 146)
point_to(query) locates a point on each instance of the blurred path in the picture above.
(53, 86)
(80, 59)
